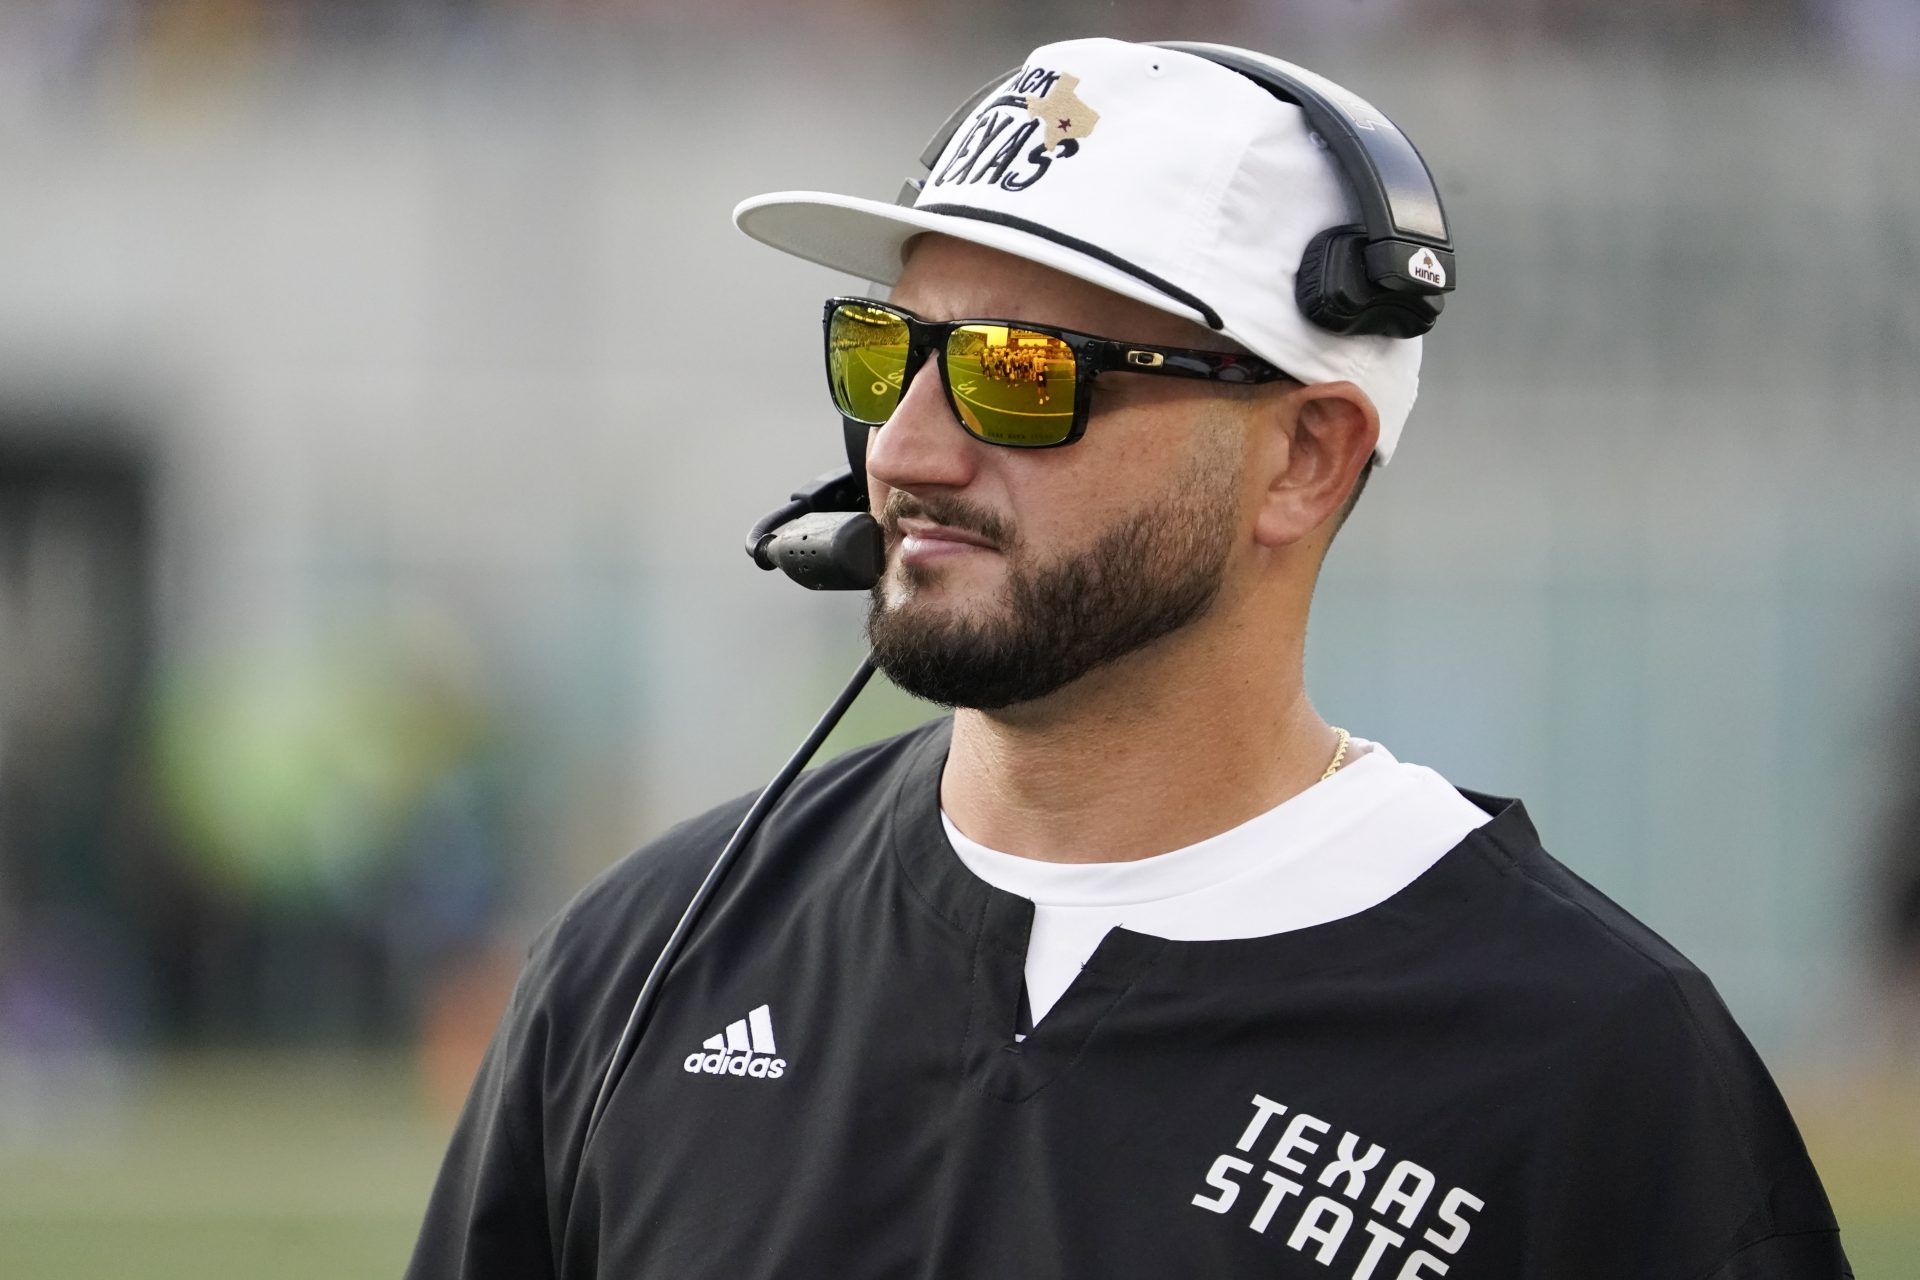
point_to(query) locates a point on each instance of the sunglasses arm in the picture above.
(1179, 362)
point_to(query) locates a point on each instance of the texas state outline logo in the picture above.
(994, 147)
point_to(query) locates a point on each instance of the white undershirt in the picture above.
(1339, 847)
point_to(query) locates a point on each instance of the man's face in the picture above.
(1011, 573)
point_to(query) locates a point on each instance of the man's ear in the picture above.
(1330, 437)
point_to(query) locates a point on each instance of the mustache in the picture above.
(955, 513)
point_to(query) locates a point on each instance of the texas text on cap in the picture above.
(1151, 172)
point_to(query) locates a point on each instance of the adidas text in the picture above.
(723, 1063)
(745, 1048)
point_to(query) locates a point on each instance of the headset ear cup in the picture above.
(1331, 285)
(1334, 292)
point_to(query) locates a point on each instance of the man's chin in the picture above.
(927, 635)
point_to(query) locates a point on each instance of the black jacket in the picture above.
(1495, 1073)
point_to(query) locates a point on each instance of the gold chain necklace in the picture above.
(1339, 755)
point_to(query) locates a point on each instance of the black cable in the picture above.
(650, 989)
(762, 531)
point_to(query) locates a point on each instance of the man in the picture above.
(1135, 966)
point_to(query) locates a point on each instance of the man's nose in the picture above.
(921, 446)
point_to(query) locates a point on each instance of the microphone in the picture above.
(829, 550)
(821, 538)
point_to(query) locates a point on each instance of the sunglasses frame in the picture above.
(1092, 355)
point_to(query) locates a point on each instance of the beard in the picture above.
(1141, 579)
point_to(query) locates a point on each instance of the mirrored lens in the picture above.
(866, 361)
(1011, 386)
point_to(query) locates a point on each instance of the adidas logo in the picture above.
(744, 1049)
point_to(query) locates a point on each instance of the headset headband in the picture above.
(1396, 192)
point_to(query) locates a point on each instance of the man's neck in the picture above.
(1149, 754)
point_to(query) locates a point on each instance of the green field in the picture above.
(1001, 407)
(249, 1166)
(295, 1167)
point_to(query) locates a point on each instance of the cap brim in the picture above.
(868, 239)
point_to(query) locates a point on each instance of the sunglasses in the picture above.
(1026, 386)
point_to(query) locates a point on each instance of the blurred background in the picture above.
(384, 393)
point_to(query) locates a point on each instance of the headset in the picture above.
(1385, 275)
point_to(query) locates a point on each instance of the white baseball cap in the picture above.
(1151, 172)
